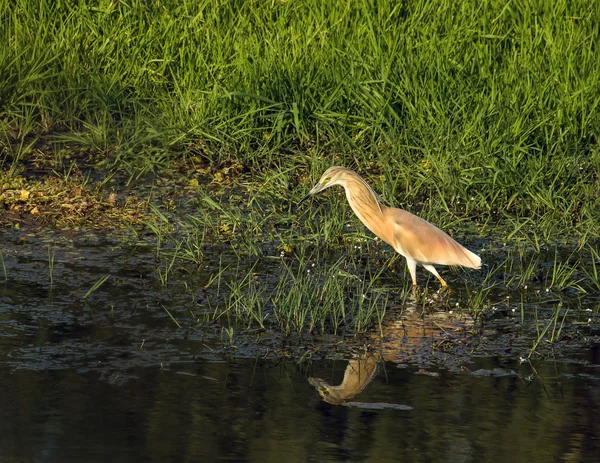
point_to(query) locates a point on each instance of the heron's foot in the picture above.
(414, 291)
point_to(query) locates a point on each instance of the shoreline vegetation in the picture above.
(207, 121)
(479, 112)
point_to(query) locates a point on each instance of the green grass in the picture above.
(96, 285)
(3, 265)
(298, 296)
(482, 117)
(51, 264)
(482, 111)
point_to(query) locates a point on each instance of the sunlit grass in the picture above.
(469, 114)
(95, 286)
(479, 117)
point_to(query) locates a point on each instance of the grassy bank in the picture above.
(200, 124)
(472, 112)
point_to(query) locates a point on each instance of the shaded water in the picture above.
(267, 411)
(110, 377)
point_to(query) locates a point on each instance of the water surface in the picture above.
(107, 375)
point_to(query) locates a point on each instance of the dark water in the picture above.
(252, 410)
(109, 377)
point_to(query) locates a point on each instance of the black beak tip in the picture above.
(303, 199)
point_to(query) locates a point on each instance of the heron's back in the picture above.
(419, 240)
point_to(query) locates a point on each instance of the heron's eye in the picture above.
(325, 180)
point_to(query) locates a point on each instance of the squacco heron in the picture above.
(414, 238)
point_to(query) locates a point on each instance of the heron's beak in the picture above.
(313, 190)
(304, 199)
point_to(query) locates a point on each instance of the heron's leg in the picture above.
(432, 269)
(412, 269)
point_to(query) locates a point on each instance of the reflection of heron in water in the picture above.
(401, 338)
(358, 374)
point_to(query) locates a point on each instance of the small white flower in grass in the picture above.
(547, 290)
(513, 310)
(308, 271)
(313, 264)
(457, 304)
(588, 310)
(522, 360)
(525, 287)
(589, 321)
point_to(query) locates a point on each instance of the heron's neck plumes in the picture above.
(363, 200)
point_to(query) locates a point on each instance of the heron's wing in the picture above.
(419, 240)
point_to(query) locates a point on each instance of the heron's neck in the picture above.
(366, 207)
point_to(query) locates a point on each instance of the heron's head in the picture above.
(333, 176)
